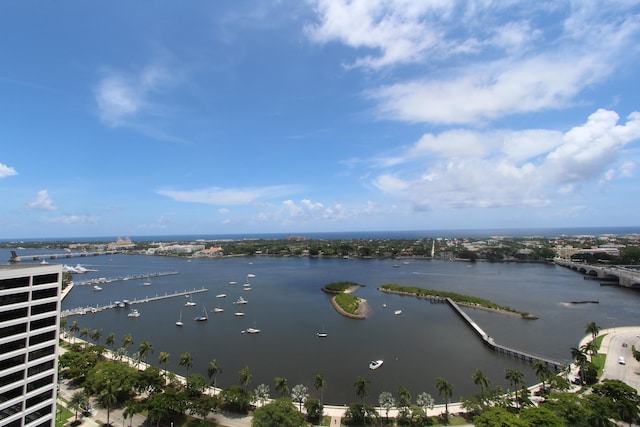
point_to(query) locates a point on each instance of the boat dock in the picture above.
(519, 354)
(85, 310)
(102, 280)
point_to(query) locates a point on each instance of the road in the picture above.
(613, 346)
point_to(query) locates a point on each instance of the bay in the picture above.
(425, 342)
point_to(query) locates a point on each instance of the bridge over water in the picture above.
(18, 258)
(625, 276)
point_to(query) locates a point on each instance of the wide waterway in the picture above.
(425, 342)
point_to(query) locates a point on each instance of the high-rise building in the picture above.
(29, 319)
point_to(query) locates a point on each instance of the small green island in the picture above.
(344, 302)
(466, 300)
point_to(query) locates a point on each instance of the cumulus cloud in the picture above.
(42, 202)
(230, 196)
(7, 171)
(514, 62)
(461, 169)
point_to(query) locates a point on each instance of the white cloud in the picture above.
(230, 196)
(461, 168)
(42, 202)
(7, 171)
(72, 219)
(123, 98)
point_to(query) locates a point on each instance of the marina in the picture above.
(104, 280)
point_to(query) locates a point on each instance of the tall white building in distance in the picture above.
(29, 325)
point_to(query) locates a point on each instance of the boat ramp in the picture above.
(85, 310)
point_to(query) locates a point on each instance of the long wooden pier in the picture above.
(490, 342)
(85, 310)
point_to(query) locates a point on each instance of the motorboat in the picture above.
(253, 331)
(97, 288)
(233, 282)
(241, 301)
(218, 310)
(397, 312)
(146, 283)
(221, 296)
(134, 313)
(238, 313)
(375, 364)
(322, 334)
(247, 288)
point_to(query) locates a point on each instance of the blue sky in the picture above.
(206, 117)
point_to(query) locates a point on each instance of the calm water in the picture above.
(426, 342)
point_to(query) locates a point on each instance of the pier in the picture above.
(103, 280)
(519, 354)
(85, 310)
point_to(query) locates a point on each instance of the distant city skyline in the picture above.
(231, 117)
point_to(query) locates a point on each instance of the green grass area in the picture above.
(63, 416)
(459, 298)
(339, 286)
(348, 303)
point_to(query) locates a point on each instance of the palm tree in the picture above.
(96, 334)
(445, 389)
(261, 393)
(425, 401)
(213, 370)
(144, 349)
(186, 361)
(73, 329)
(63, 326)
(362, 388)
(542, 371)
(130, 409)
(481, 380)
(593, 329)
(77, 401)
(299, 394)
(281, 386)
(514, 377)
(387, 402)
(319, 383)
(244, 377)
(163, 360)
(590, 348)
(110, 340)
(127, 341)
(404, 398)
(84, 333)
(581, 360)
(107, 397)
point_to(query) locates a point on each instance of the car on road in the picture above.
(621, 360)
(624, 344)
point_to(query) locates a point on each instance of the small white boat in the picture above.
(218, 310)
(247, 288)
(221, 296)
(146, 284)
(241, 301)
(322, 334)
(375, 364)
(233, 282)
(253, 331)
(134, 313)
(251, 275)
(246, 285)
(189, 304)
(238, 313)
(97, 288)
(397, 312)
(179, 321)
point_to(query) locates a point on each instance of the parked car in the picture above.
(621, 360)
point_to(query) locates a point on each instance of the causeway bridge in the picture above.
(18, 258)
(625, 276)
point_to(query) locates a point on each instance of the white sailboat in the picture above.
(179, 321)
(190, 303)
(323, 333)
